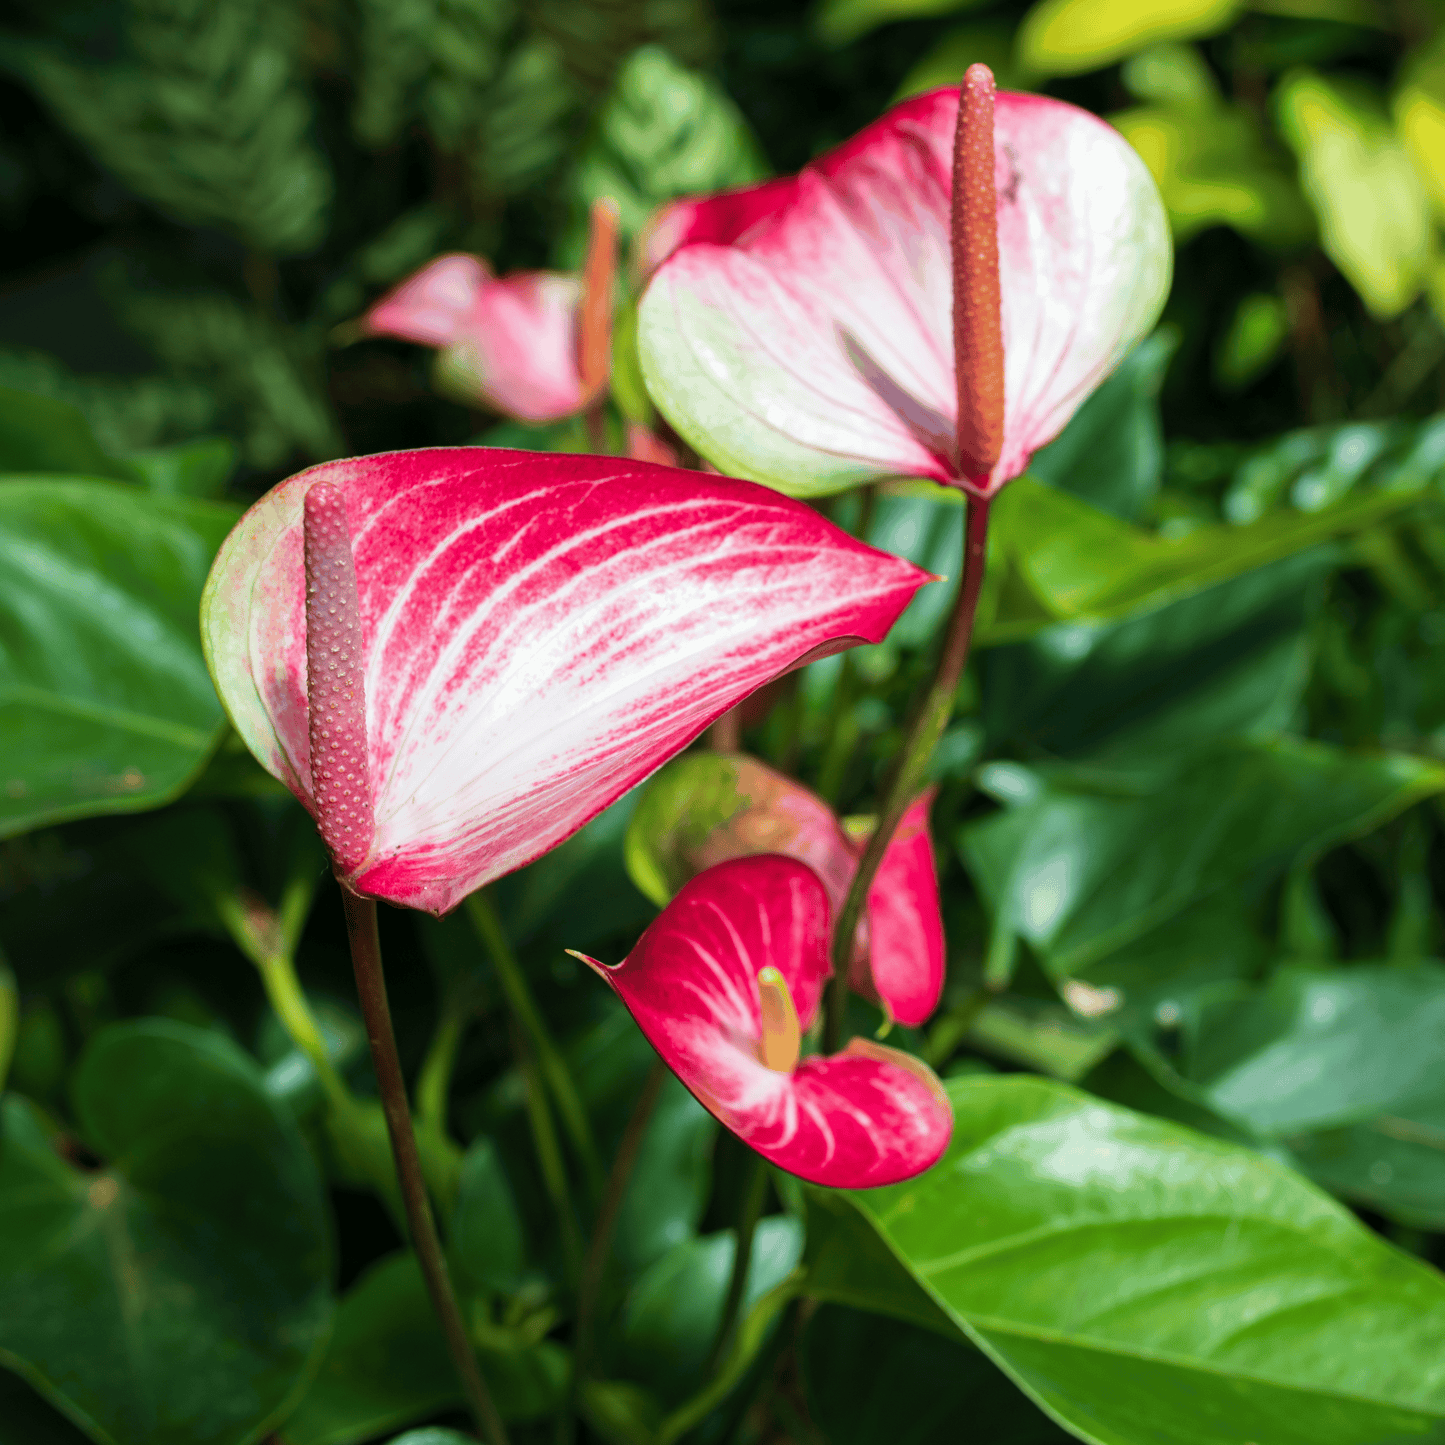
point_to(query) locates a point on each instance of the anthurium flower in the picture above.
(526, 636)
(706, 808)
(725, 983)
(511, 341)
(720, 218)
(814, 349)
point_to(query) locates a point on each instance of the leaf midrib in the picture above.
(138, 723)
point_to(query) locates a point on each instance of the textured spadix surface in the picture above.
(513, 340)
(815, 351)
(538, 634)
(868, 1115)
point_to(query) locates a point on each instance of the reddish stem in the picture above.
(336, 698)
(594, 358)
(977, 315)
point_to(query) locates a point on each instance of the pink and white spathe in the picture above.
(898, 957)
(725, 982)
(512, 342)
(534, 634)
(815, 350)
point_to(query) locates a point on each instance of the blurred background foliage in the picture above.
(1188, 823)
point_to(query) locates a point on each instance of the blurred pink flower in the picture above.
(513, 341)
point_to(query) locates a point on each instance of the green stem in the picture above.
(433, 1082)
(549, 1152)
(605, 1226)
(754, 1198)
(549, 1057)
(365, 942)
(912, 766)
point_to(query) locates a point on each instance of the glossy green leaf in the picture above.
(1111, 454)
(1394, 1164)
(432, 1435)
(1233, 659)
(1142, 1282)
(671, 1179)
(1054, 558)
(840, 22)
(1373, 208)
(387, 1363)
(105, 702)
(848, 1264)
(675, 1308)
(1322, 1048)
(1217, 166)
(180, 1294)
(1082, 869)
(868, 1380)
(45, 434)
(1065, 37)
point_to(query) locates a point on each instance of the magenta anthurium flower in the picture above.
(721, 218)
(726, 982)
(814, 349)
(512, 341)
(529, 635)
(706, 808)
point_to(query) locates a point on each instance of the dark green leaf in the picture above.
(44, 434)
(668, 1191)
(105, 702)
(675, 1308)
(1323, 1048)
(1231, 659)
(1111, 454)
(488, 1248)
(870, 1380)
(180, 1294)
(387, 1363)
(1142, 1282)
(1080, 872)
(190, 469)
(25, 1419)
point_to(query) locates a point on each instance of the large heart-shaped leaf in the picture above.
(180, 1294)
(870, 1379)
(105, 703)
(1231, 659)
(1147, 1284)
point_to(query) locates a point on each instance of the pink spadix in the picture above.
(725, 983)
(335, 685)
(804, 333)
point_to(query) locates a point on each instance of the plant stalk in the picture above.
(549, 1057)
(754, 1198)
(365, 942)
(600, 1246)
(912, 766)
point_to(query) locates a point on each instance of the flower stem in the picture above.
(595, 321)
(605, 1226)
(549, 1152)
(912, 766)
(488, 925)
(365, 942)
(754, 1197)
